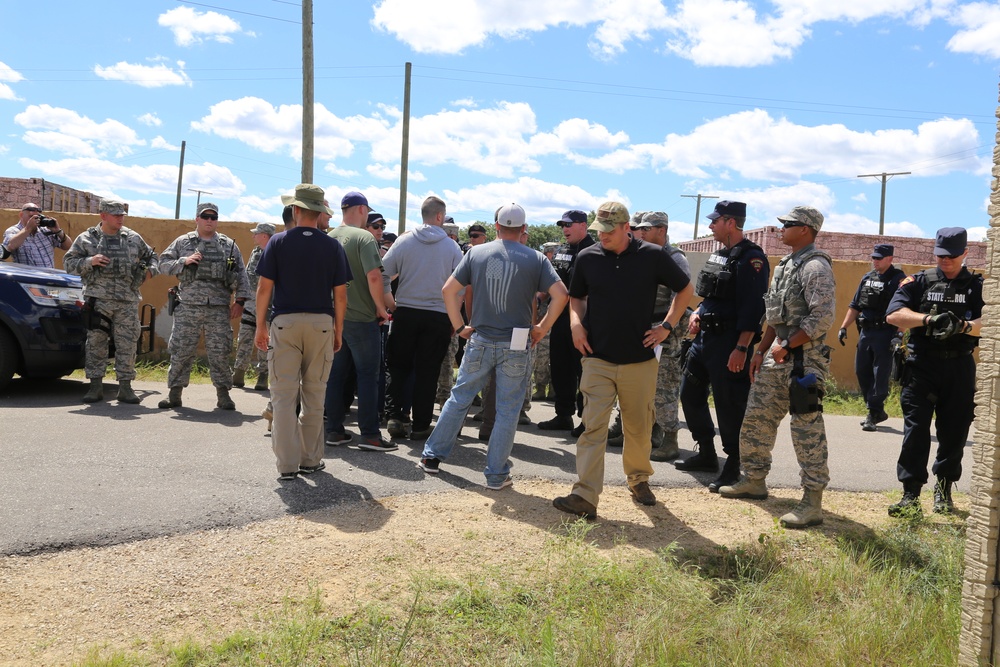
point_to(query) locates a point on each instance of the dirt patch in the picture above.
(54, 607)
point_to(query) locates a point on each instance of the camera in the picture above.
(46, 222)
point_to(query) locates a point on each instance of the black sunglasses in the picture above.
(208, 217)
(476, 235)
(789, 225)
(377, 226)
(33, 210)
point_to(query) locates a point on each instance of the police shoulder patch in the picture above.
(757, 264)
(907, 280)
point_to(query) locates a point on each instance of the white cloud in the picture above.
(192, 27)
(101, 175)
(860, 197)
(977, 233)
(471, 22)
(150, 119)
(980, 33)
(331, 168)
(543, 201)
(8, 75)
(146, 76)
(7, 93)
(160, 142)
(467, 102)
(148, 208)
(71, 133)
(4, 149)
(392, 173)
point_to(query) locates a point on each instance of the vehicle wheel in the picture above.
(8, 357)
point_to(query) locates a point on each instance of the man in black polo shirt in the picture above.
(611, 305)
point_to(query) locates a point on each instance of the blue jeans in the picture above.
(362, 349)
(512, 375)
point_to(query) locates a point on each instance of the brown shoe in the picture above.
(574, 504)
(642, 494)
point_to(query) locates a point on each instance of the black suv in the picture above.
(41, 331)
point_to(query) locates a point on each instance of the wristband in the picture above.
(462, 328)
(742, 348)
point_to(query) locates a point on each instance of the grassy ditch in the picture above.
(870, 597)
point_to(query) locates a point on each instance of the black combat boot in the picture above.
(909, 504)
(942, 497)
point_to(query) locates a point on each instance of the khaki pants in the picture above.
(299, 364)
(634, 385)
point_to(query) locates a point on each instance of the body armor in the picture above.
(785, 302)
(718, 277)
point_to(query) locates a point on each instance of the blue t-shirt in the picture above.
(505, 275)
(305, 265)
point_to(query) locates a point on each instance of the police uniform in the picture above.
(873, 359)
(732, 285)
(939, 377)
(112, 296)
(206, 292)
(801, 298)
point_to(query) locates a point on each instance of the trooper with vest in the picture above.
(113, 262)
(788, 371)
(726, 325)
(210, 269)
(877, 338)
(942, 307)
(564, 358)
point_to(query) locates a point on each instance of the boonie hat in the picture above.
(310, 197)
(807, 215)
(511, 215)
(950, 241)
(263, 228)
(882, 250)
(610, 214)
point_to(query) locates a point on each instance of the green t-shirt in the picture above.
(362, 255)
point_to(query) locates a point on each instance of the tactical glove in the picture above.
(842, 336)
(945, 325)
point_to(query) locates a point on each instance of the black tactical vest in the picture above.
(717, 279)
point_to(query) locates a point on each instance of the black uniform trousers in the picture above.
(872, 365)
(416, 345)
(707, 368)
(944, 388)
(565, 366)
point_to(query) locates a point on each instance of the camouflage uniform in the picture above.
(801, 296)
(668, 376)
(446, 378)
(543, 374)
(206, 292)
(115, 289)
(245, 350)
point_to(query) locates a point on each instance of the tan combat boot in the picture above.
(224, 402)
(96, 391)
(754, 489)
(239, 378)
(173, 400)
(809, 511)
(125, 393)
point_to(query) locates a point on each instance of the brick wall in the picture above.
(52, 197)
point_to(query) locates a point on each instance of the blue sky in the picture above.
(552, 104)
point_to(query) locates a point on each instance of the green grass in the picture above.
(861, 597)
(156, 371)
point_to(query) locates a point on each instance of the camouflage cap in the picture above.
(807, 215)
(264, 228)
(450, 228)
(654, 219)
(206, 206)
(636, 219)
(113, 207)
(610, 214)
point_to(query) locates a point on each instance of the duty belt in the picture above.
(943, 354)
(865, 324)
(715, 324)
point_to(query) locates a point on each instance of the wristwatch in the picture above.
(785, 345)
(667, 325)
(462, 328)
(741, 348)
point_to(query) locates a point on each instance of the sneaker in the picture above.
(430, 465)
(496, 486)
(308, 470)
(288, 476)
(378, 444)
(642, 494)
(421, 433)
(557, 423)
(336, 439)
(396, 428)
(574, 504)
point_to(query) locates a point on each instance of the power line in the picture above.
(237, 11)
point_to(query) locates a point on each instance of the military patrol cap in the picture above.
(571, 217)
(112, 206)
(636, 219)
(735, 209)
(882, 250)
(610, 214)
(549, 245)
(511, 215)
(950, 241)
(653, 219)
(311, 197)
(477, 228)
(263, 228)
(450, 228)
(807, 215)
(206, 206)
(353, 198)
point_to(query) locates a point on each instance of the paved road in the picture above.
(78, 475)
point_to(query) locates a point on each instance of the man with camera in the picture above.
(35, 237)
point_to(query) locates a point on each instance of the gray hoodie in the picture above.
(423, 259)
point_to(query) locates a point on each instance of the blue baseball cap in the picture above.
(353, 198)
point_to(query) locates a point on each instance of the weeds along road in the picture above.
(89, 475)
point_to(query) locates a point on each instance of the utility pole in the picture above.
(200, 193)
(883, 177)
(404, 155)
(180, 179)
(697, 210)
(308, 98)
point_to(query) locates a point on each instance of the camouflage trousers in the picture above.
(767, 405)
(543, 374)
(446, 378)
(124, 324)
(668, 377)
(189, 323)
(245, 349)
